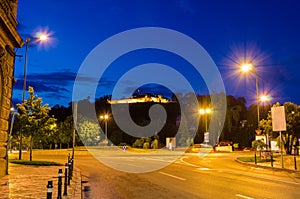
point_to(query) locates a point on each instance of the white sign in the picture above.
(206, 137)
(278, 118)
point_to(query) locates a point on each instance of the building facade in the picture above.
(9, 40)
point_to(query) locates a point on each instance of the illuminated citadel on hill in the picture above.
(141, 98)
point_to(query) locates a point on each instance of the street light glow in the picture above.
(265, 98)
(104, 117)
(43, 37)
(201, 111)
(246, 67)
(204, 111)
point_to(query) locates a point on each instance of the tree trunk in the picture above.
(288, 144)
(59, 145)
(30, 148)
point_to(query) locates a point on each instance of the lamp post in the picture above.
(8, 146)
(263, 99)
(205, 112)
(250, 68)
(42, 37)
(105, 118)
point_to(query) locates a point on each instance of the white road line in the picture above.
(242, 196)
(186, 163)
(204, 169)
(170, 175)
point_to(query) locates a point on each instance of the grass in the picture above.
(35, 162)
(251, 159)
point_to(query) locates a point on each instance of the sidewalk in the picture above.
(31, 181)
(288, 163)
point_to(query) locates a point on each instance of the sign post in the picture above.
(279, 124)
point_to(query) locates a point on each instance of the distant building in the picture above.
(9, 39)
(141, 98)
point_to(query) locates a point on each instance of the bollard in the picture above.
(72, 161)
(69, 173)
(59, 184)
(66, 180)
(255, 158)
(49, 189)
(71, 169)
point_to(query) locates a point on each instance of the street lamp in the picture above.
(105, 118)
(41, 37)
(250, 68)
(263, 99)
(8, 146)
(205, 112)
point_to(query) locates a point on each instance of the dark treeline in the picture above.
(239, 126)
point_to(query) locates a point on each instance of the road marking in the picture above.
(170, 175)
(186, 163)
(242, 196)
(204, 169)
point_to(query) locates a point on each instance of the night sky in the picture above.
(266, 33)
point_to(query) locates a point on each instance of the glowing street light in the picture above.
(205, 112)
(248, 67)
(42, 37)
(105, 118)
(265, 98)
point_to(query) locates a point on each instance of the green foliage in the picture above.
(89, 131)
(35, 163)
(252, 159)
(292, 114)
(146, 145)
(35, 120)
(154, 144)
(258, 145)
(138, 143)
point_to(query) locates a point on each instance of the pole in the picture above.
(25, 68)
(295, 160)
(8, 146)
(282, 165)
(24, 89)
(106, 132)
(205, 122)
(74, 127)
(257, 98)
(66, 180)
(49, 189)
(59, 187)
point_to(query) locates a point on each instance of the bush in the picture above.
(138, 143)
(146, 145)
(154, 144)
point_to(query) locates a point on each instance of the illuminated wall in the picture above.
(9, 39)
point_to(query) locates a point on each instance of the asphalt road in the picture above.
(216, 175)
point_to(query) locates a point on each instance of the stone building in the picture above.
(9, 40)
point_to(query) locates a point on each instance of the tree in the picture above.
(88, 130)
(292, 112)
(35, 120)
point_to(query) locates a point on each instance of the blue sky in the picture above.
(266, 32)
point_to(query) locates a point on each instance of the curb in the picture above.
(267, 167)
(76, 187)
